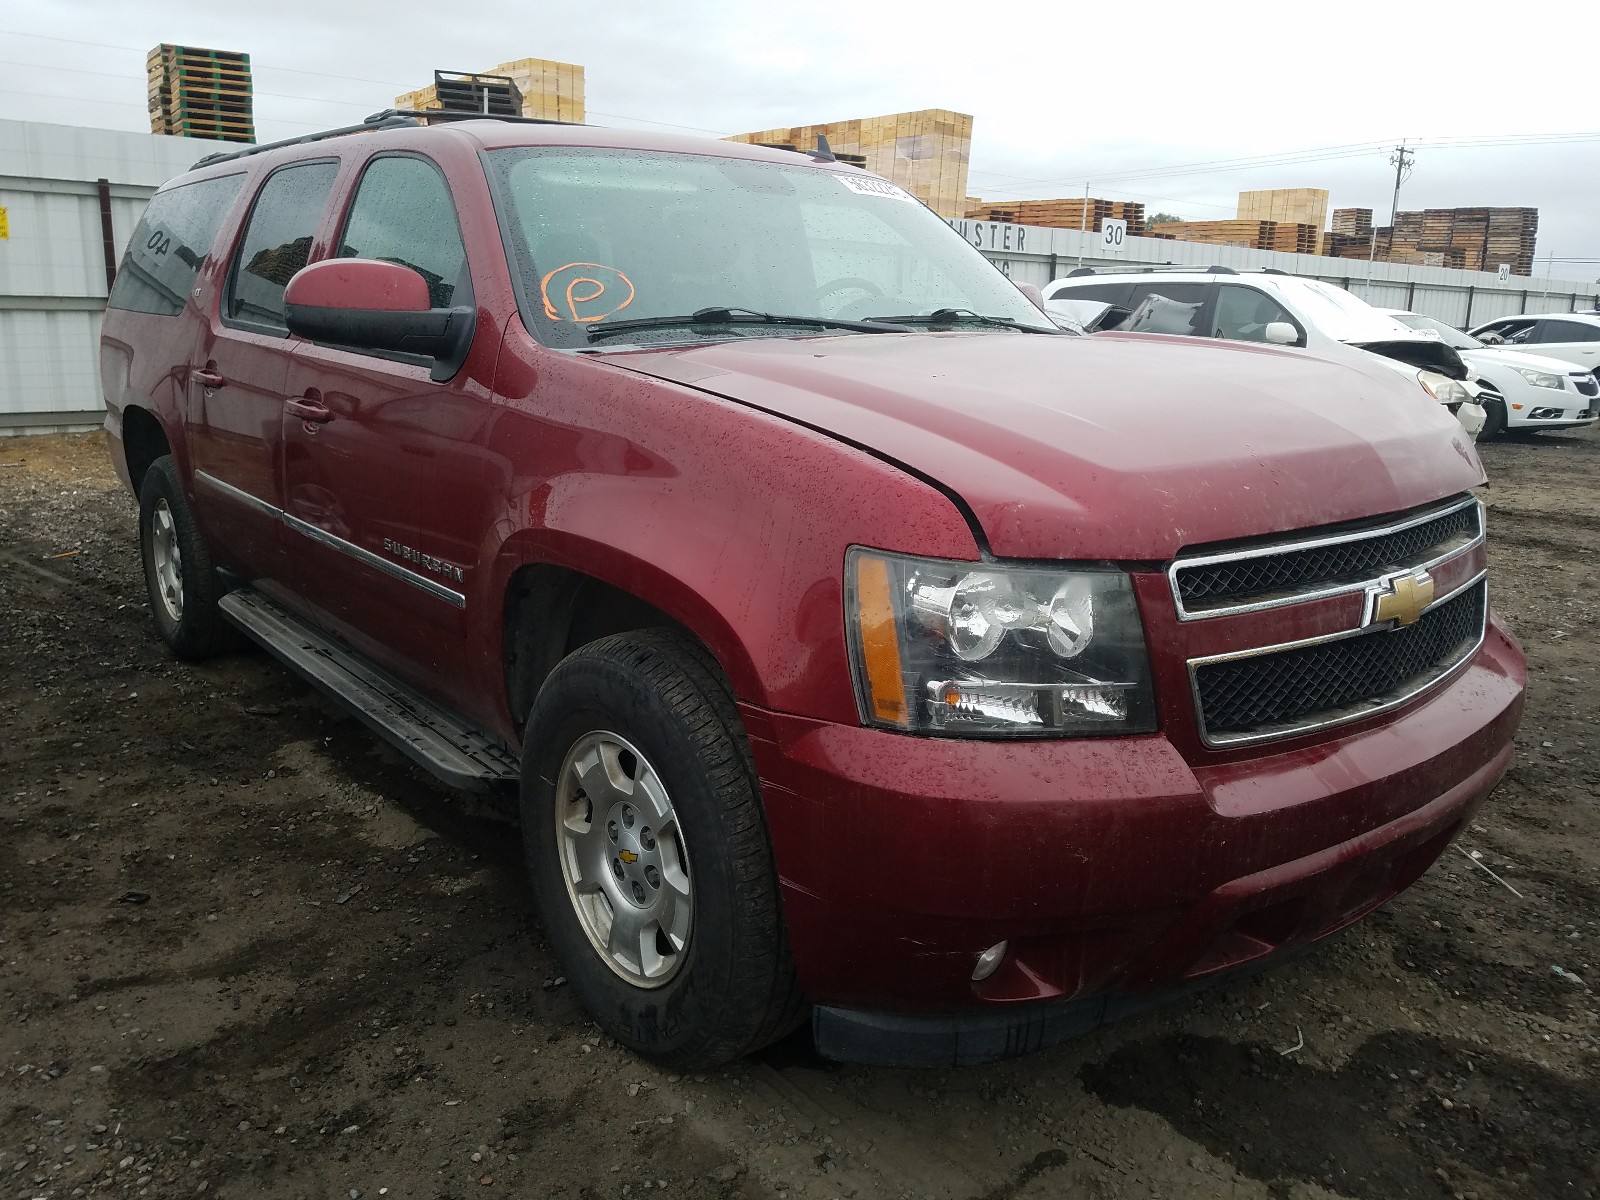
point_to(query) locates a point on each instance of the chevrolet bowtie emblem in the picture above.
(1401, 598)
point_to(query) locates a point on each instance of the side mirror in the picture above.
(1491, 338)
(1281, 333)
(1032, 292)
(367, 304)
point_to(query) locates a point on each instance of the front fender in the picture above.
(732, 521)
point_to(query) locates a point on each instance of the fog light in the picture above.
(988, 962)
(1544, 414)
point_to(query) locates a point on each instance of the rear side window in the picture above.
(171, 241)
(403, 214)
(277, 243)
(1166, 307)
(1568, 331)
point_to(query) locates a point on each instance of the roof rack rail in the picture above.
(388, 118)
(1079, 272)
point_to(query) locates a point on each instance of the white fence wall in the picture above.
(52, 264)
(1030, 254)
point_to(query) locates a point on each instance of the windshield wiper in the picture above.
(738, 316)
(949, 316)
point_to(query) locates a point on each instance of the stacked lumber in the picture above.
(1352, 222)
(1473, 239)
(1511, 238)
(1073, 212)
(194, 92)
(1287, 206)
(547, 90)
(925, 152)
(1290, 237)
(1348, 245)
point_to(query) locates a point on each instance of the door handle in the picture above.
(206, 378)
(310, 410)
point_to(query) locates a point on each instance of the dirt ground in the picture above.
(247, 951)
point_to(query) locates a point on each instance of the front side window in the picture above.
(277, 243)
(403, 214)
(1512, 332)
(612, 235)
(1243, 314)
(170, 242)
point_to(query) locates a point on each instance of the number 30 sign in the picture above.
(1112, 234)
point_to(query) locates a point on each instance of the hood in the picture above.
(1494, 356)
(1107, 447)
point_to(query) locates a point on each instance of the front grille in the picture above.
(1273, 694)
(1587, 385)
(1341, 558)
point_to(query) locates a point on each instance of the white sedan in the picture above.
(1530, 391)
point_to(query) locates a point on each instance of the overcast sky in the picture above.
(1060, 93)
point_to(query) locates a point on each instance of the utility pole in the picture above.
(1083, 223)
(1402, 160)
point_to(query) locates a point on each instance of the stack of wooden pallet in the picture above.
(1474, 239)
(1348, 245)
(1511, 237)
(925, 152)
(1352, 222)
(1287, 236)
(200, 93)
(549, 91)
(1072, 212)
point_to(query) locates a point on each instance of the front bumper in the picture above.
(1113, 868)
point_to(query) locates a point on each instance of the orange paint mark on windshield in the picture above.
(587, 292)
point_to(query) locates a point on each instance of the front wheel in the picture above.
(648, 849)
(1494, 423)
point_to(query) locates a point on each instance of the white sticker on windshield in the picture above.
(867, 185)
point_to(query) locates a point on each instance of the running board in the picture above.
(449, 746)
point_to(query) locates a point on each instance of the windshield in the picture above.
(1341, 315)
(608, 235)
(1448, 334)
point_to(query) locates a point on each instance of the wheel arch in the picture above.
(143, 441)
(551, 606)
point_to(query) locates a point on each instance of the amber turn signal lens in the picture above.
(880, 642)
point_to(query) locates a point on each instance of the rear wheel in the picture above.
(178, 574)
(648, 849)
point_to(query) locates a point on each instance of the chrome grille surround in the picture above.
(1372, 550)
(1356, 707)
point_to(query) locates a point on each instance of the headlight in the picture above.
(1542, 379)
(974, 650)
(1442, 388)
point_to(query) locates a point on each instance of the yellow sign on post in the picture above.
(5, 225)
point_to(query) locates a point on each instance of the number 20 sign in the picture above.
(1113, 233)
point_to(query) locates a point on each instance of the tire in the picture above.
(1494, 424)
(703, 975)
(183, 586)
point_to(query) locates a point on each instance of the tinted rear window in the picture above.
(277, 242)
(171, 241)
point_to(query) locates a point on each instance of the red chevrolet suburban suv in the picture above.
(861, 646)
